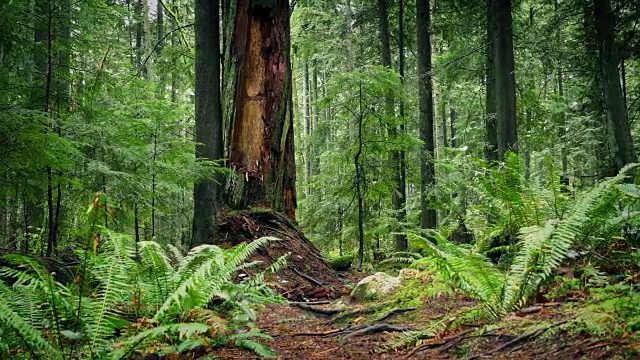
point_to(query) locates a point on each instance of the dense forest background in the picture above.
(480, 126)
(98, 96)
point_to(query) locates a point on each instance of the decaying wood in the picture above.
(373, 329)
(395, 312)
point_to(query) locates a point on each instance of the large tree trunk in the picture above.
(613, 95)
(428, 214)
(505, 81)
(261, 135)
(209, 136)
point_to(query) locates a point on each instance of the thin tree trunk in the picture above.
(315, 164)
(454, 119)
(491, 126)
(428, 214)
(307, 127)
(400, 195)
(138, 9)
(360, 178)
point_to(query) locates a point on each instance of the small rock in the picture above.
(375, 286)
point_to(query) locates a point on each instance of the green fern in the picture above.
(185, 330)
(112, 270)
(28, 336)
(540, 250)
(246, 340)
(206, 269)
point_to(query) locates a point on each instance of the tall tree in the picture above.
(261, 148)
(425, 88)
(491, 126)
(400, 193)
(504, 73)
(398, 197)
(613, 95)
(207, 194)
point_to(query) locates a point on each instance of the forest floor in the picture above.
(573, 327)
(542, 331)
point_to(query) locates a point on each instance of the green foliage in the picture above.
(125, 279)
(540, 251)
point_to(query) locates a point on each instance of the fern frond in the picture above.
(29, 337)
(207, 268)
(175, 256)
(157, 271)
(411, 338)
(246, 340)
(256, 347)
(542, 249)
(113, 272)
(184, 329)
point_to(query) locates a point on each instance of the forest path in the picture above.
(303, 334)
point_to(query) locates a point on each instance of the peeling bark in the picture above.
(261, 134)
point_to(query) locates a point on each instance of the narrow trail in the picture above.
(301, 334)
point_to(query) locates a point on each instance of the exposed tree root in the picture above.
(446, 343)
(395, 312)
(524, 337)
(369, 310)
(309, 278)
(372, 329)
(317, 310)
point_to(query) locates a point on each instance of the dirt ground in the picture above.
(300, 334)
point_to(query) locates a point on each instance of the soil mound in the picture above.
(307, 276)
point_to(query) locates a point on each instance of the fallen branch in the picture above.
(318, 333)
(524, 337)
(317, 310)
(373, 329)
(395, 312)
(309, 278)
(369, 310)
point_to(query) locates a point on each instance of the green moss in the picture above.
(341, 263)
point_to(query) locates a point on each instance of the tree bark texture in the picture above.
(400, 195)
(207, 193)
(491, 127)
(261, 147)
(425, 87)
(504, 72)
(613, 96)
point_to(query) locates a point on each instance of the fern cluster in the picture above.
(539, 251)
(119, 282)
